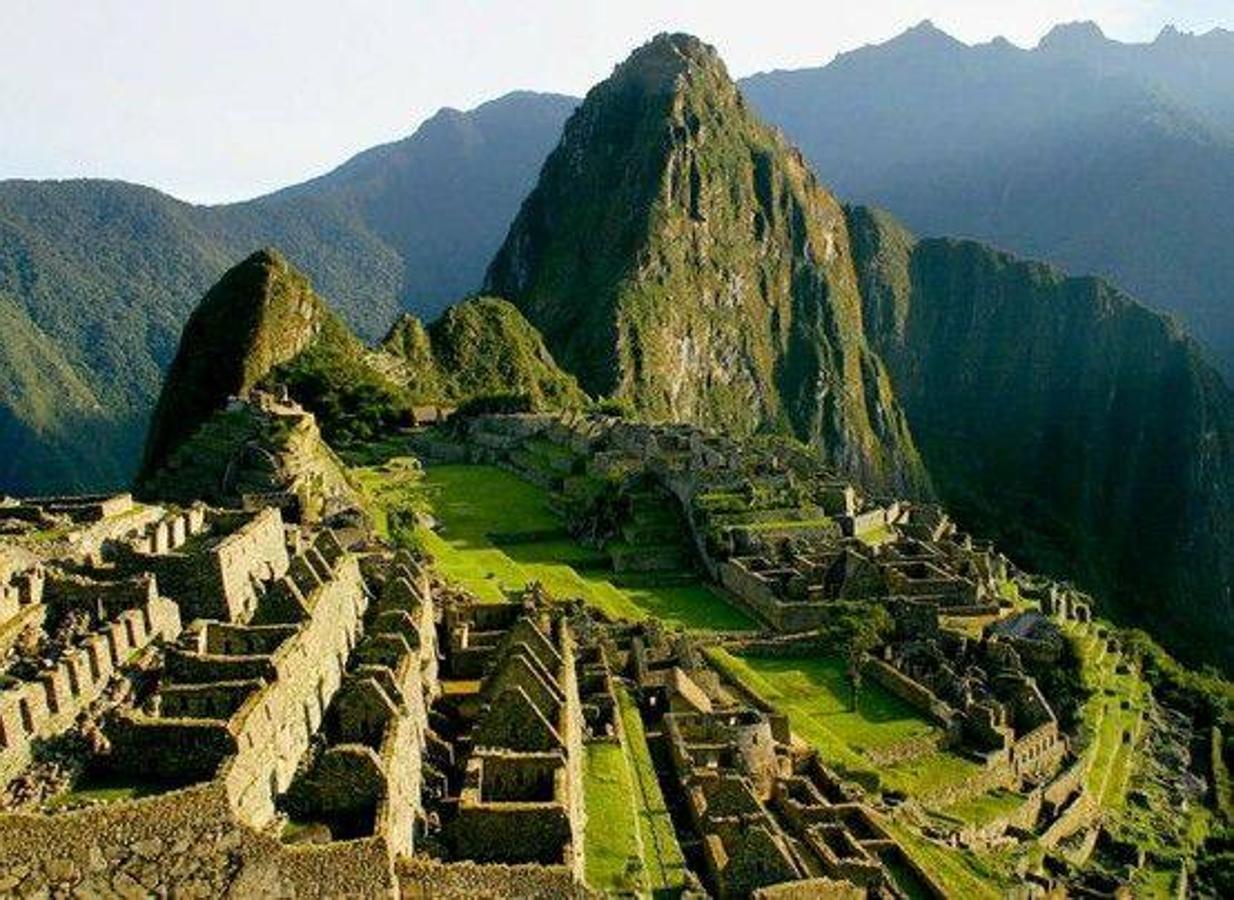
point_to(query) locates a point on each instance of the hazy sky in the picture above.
(227, 99)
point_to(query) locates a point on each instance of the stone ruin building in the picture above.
(280, 712)
(756, 815)
(795, 545)
(287, 707)
(261, 450)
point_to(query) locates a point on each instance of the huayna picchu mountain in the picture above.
(677, 254)
(1079, 429)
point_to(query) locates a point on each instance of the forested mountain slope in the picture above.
(107, 272)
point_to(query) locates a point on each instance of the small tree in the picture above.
(862, 633)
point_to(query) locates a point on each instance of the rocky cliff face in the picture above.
(678, 254)
(1066, 421)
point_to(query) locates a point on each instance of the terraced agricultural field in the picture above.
(1112, 711)
(498, 533)
(814, 693)
(614, 853)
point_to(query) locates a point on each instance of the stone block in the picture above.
(161, 539)
(57, 689)
(98, 646)
(117, 642)
(135, 628)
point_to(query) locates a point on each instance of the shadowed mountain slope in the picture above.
(1056, 415)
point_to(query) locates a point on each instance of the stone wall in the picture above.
(49, 704)
(909, 690)
(84, 507)
(184, 843)
(757, 594)
(379, 716)
(275, 726)
(428, 879)
(19, 592)
(254, 553)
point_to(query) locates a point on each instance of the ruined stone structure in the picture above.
(118, 620)
(759, 817)
(299, 710)
(288, 674)
(514, 701)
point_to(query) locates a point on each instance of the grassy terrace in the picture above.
(961, 873)
(498, 533)
(985, 808)
(630, 842)
(614, 854)
(814, 693)
(1113, 708)
(663, 863)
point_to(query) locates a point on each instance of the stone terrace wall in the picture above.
(184, 843)
(254, 553)
(908, 690)
(427, 879)
(274, 727)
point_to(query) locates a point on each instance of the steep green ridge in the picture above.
(481, 347)
(678, 254)
(261, 314)
(263, 323)
(108, 272)
(1077, 428)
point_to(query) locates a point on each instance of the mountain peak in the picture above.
(1073, 37)
(259, 315)
(657, 64)
(925, 35)
(610, 257)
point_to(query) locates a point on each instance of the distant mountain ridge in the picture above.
(1099, 156)
(105, 273)
(1105, 158)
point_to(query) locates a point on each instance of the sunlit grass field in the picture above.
(497, 533)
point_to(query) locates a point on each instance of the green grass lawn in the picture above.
(472, 503)
(613, 852)
(630, 842)
(960, 873)
(663, 861)
(814, 693)
(105, 789)
(985, 808)
(1105, 720)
